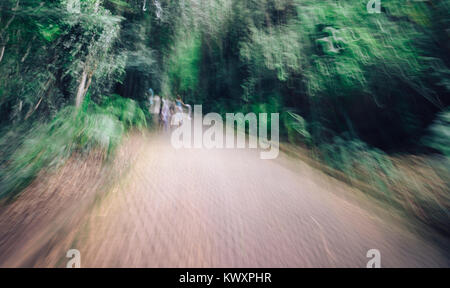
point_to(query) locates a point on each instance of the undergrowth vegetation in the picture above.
(91, 127)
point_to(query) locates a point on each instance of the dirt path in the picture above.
(218, 208)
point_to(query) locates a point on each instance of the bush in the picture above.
(439, 134)
(418, 186)
(296, 128)
(72, 130)
(360, 161)
(126, 110)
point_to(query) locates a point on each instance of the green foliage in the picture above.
(126, 110)
(359, 161)
(183, 65)
(278, 50)
(48, 44)
(439, 134)
(416, 186)
(357, 45)
(120, 3)
(50, 32)
(72, 130)
(296, 126)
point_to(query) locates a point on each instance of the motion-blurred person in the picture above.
(164, 116)
(151, 97)
(179, 103)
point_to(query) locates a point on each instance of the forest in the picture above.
(365, 94)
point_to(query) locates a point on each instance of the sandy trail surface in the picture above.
(155, 206)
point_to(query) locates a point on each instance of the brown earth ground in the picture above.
(154, 206)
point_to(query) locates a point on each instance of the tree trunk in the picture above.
(2, 52)
(86, 79)
(81, 89)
